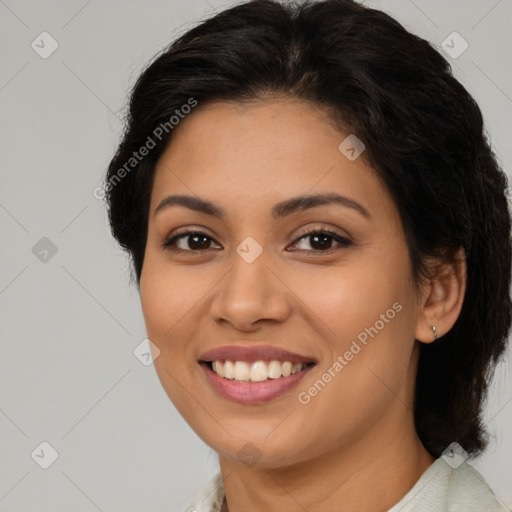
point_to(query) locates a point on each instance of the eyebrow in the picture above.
(279, 210)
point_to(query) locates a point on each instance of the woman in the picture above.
(320, 236)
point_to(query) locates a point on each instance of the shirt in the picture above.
(441, 488)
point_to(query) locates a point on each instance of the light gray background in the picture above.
(68, 375)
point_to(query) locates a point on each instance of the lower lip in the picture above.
(252, 392)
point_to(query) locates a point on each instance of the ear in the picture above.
(442, 298)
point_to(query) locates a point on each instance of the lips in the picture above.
(273, 371)
(252, 354)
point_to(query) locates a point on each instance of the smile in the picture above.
(253, 374)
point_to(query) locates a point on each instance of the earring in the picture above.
(434, 330)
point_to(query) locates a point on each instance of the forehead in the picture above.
(268, 129)
(263, 150)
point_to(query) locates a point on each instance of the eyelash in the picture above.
(344, 242)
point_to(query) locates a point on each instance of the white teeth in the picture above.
(218, 368)
(286, 369)
(297, 367)
(258, 371)
(229, 369)
(242, 371)
(274, 370)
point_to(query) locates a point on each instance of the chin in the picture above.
(258, 451)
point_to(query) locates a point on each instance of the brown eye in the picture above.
(321, 241)
(193, 241)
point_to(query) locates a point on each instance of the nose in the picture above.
(249, 295)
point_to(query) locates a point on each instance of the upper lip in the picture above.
(254, 353)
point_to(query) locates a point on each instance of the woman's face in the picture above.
(255, 280)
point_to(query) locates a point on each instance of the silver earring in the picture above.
(434, 330)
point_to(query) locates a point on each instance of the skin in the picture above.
(358, 432)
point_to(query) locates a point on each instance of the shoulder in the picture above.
(469, 491)
(450, 488)
(210, 498)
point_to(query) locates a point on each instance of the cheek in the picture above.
(347, 300)
(167, 294)
(364, 312)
